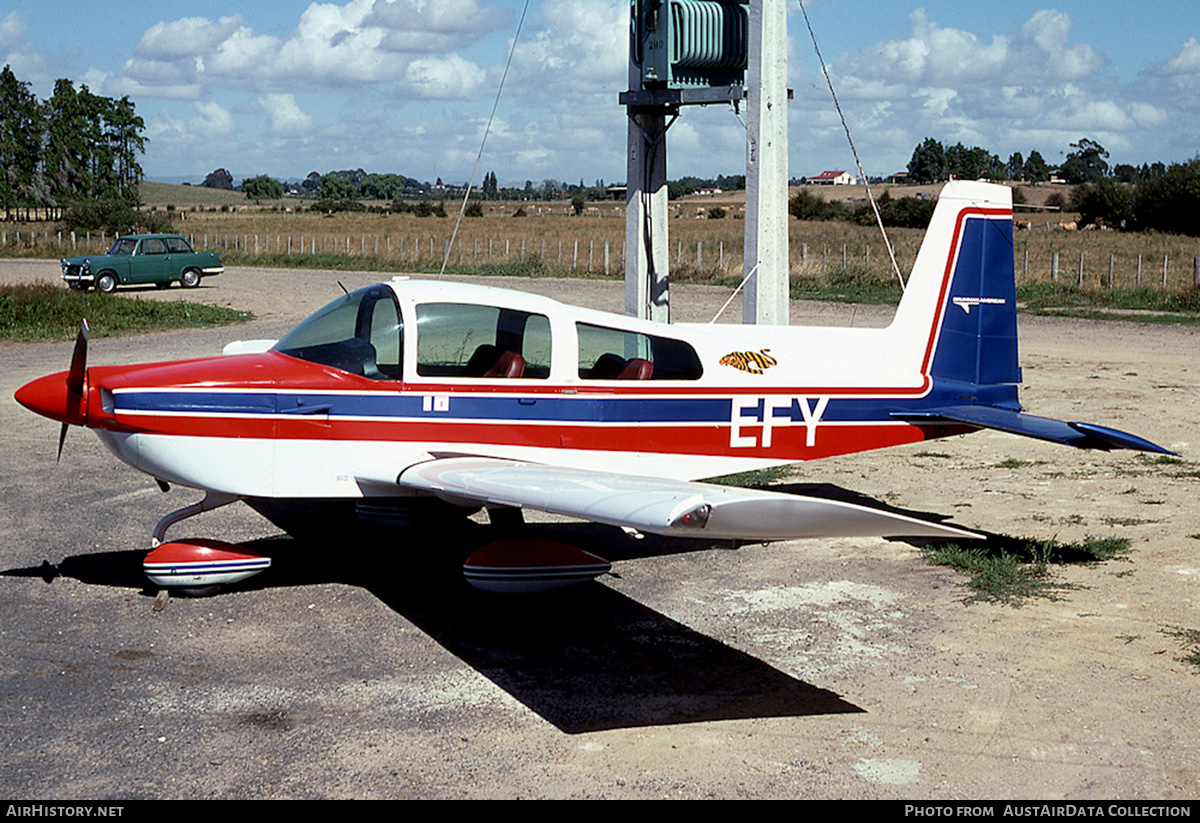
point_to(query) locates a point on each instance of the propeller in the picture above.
(75, 378)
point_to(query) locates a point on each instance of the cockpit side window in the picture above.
(470, 340)
(359, 333)
(617, 354)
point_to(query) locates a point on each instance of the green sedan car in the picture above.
(161, 259)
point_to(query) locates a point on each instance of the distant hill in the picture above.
(183, 197)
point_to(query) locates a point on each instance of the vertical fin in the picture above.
(961, 296)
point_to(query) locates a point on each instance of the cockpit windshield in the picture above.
(125, 245)
(359, 333)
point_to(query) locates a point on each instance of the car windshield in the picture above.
(125, 245)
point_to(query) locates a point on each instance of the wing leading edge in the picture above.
(658, 506)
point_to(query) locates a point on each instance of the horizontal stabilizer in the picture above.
(660, 506)
(1080, 435)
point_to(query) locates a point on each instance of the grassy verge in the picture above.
(50, 312)
(1111, 304)
(1013, 570)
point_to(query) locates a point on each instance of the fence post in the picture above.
(1110, 271)
(1164, 282)
(1196, 272)
(1081, 268)
(1138, 281)
(1054, 267)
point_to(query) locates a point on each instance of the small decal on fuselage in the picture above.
(755, 362)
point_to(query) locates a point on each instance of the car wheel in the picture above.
(106, 282)
(190, 279)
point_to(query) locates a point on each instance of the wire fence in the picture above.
(714, 259)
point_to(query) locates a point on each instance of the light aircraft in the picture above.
(413, 397)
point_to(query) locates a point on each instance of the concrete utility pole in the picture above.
(765, 298)
(646, 251)
(703, 52)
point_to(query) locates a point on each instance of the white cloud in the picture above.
(582, 49)
(186, 37)
(441, 78)
(211, 120)
(12, 30)
(429, 26)
(1185, 61)
(287, 118)
(26, 62)
(242, 56)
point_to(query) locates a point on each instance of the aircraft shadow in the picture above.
(586, 658)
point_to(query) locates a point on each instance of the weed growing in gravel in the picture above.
(1012, 570)
(1189, 640)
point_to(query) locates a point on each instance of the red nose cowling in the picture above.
(50, 397)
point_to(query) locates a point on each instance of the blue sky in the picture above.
(406, 86)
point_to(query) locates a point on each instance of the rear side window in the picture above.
(177, 245)
(617, 354)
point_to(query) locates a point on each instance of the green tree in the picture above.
(928, 163)
(1105, 202)
(21, 128)
(1036, 170)
(1016, 166)
(262, 187)
(336, 187)
(1171, 201)
(219, 179)
(1087, 164)
(808, 206)
(490, 187)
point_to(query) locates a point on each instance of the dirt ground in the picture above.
(806, 669)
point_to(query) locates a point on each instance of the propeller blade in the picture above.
(62, 438)
(79, 360)
(75, 378)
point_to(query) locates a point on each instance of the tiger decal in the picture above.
(755, 362)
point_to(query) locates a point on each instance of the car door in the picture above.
(149, 264)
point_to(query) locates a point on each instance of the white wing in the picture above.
(655, 505)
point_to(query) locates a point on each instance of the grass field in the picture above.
(551, 241)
